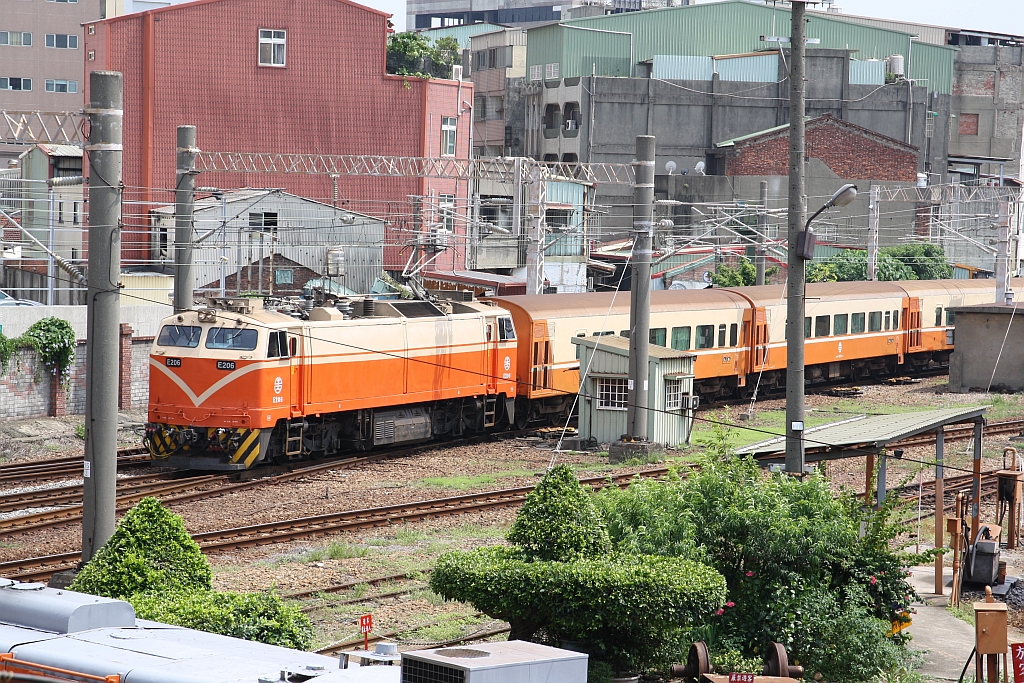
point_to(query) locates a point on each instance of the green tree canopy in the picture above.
(413, 54)
(744, 274)
(928, 261)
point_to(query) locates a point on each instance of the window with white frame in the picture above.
(673, 394)
(446, 209)
(61, 86)
(11, 83)
(69, 1)
(551, 71)
(449, 126)
(63, 41)
(16, 38)
(536, 72)
(612, 393)
(272, 47)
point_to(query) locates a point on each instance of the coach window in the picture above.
(887, 320)
(186, 336)
(681, 338)
(721, 336)
(938, 316)
(705, 336)
(658, 336)
(896, 320)
(950, 317)
(734, 334)
(506, 331)
(231, 339)
(856, 323)
(839, 323)
(807, 328)
(822, 326)
(875, 321)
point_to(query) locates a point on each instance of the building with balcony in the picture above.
(498, 61)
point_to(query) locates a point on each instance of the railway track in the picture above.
(71, 466)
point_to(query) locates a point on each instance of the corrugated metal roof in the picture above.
(936, 35)
(867, 72)
(699, 30)
(749, 69)
(620, 345)
(683, 68)
(869, 433)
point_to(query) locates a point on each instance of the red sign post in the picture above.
(741, 678)
(1017, 655)
(365, 626)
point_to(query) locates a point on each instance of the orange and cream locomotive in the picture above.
(234, 385)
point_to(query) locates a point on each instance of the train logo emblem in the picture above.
(840, 347)
(508, 363)
(278, 385)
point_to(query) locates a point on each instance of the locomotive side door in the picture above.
(296, 349)
(492, 363)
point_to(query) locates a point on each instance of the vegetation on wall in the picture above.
(52, 338)
(413, 54)
(152, 562)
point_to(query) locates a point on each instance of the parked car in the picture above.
(7, 300)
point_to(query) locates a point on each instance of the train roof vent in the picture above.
(417, 309)
(33, 605)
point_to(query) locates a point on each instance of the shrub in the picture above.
(52, 338)
(150, 551)
(631, 610)
(261, 617)
(558, 521)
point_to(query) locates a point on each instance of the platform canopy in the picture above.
(864, 435)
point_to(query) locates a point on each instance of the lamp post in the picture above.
(804, 251)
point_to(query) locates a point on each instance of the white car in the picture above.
(7, 300)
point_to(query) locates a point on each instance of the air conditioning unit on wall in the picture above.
(514, 661)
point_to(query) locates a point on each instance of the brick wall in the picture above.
(849, 150)
(300, 276)
(26, 389)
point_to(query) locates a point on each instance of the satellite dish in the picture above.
(670, 167)
(699, 168)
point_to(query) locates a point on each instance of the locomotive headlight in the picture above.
(207, 315)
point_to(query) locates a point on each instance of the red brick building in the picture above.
(306, 76)
(849, 150)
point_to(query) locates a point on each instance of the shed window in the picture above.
(839, 323)
(272, 47)
(875, 321)
(579, 347)
(857, 323)
(721, 336)
(673, 394)
(938, 316)
(284, 276)
(734, 334)
(612, 393)
(822, 326)
(705, 336)
(263, 220)
(681, 338)
(658, 336)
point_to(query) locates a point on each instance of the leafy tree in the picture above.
(744, 274)
(852, 265)
(413, 54)
(928, 261)
(821, 271)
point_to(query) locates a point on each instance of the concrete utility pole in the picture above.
(762, 229)
(873, 232)
(1003, 253)
(99, 495)
(184, 198)
(795, 288)
(640, 289)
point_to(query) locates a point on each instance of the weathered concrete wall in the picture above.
(982, 330)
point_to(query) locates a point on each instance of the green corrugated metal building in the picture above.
(612, 44)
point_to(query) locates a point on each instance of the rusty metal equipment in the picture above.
(777, 663)
(990, 637)
(698, 667)
(698, 663)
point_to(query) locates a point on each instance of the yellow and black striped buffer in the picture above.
(160, 444)
(248, 449)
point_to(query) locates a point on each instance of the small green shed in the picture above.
(604, 391)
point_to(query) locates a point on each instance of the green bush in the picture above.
(150, 551)
(54, 340)
(261, 617)
(558, 521)
(631, 610)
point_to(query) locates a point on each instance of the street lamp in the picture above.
(795, 333)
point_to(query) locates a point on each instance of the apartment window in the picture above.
(284, 276)
(681, 338)
(938, 316)
(11, 83)
(673, 394)
(822, 325)
(612, 393)
(551, 72)
(839, 323)
(16, 38)
(70, 1)
(63, 41)
(91, 55)
(536, 72)
(705, 336)
(857, 323)
(272, 47)
(658, 336)
(449, 127)
(967, 124)
(61, 86)
(480, 108)
(875, 321)
(446, 209)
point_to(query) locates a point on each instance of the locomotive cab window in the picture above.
(658, 336)
(857, 323)
(822, 326)
(705, 336)
(506, 331)
(231, 339)
(875, 321)
(681, 338)
(277, 347)
(839, 323)
(185, 336)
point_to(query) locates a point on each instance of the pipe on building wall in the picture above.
(148, 103)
